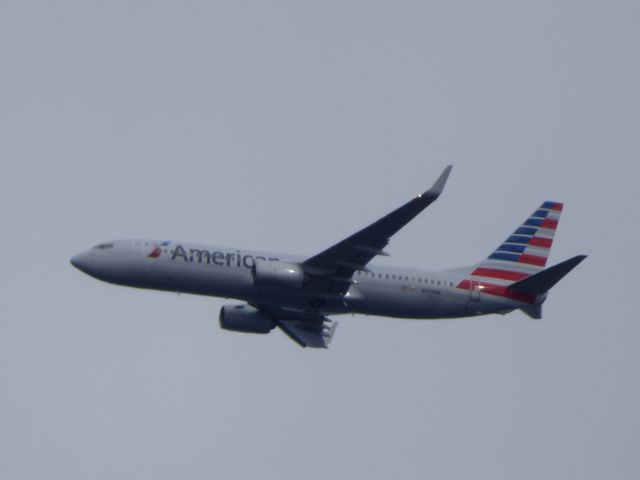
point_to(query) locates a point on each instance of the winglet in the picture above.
(438, 186)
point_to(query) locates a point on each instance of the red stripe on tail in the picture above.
(532, 260)
(540, 242)
(497, 273)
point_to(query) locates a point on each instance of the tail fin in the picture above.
(523, 253)
(516, 268)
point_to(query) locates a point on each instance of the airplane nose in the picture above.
(82, 261)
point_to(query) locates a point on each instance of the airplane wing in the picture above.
(304, 328)
(309, 334)
(331, 270)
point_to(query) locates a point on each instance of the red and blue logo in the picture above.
(157, 249)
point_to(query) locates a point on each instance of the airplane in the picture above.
(296, 294)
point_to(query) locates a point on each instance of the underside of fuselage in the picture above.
(388, 299)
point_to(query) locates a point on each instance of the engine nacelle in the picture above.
(277, 274)
(245, 318)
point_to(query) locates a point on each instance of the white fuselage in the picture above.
(226, 272)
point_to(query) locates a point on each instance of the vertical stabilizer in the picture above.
(525, 251)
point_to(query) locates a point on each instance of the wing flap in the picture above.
(307, 329)
(309, 334)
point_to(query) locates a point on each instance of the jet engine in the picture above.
(277, 274)
(245, 318)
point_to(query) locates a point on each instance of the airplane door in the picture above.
(474, 290)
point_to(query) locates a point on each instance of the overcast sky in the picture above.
(287, 126)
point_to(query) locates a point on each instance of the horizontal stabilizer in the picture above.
(541, 283)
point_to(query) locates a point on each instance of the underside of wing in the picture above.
(306, 329)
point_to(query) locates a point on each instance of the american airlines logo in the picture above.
(220, 258)
(157, 250)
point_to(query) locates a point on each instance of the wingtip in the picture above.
(439, 184)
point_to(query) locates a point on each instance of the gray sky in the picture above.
(287, 126)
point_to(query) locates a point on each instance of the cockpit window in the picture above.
(103, 246)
